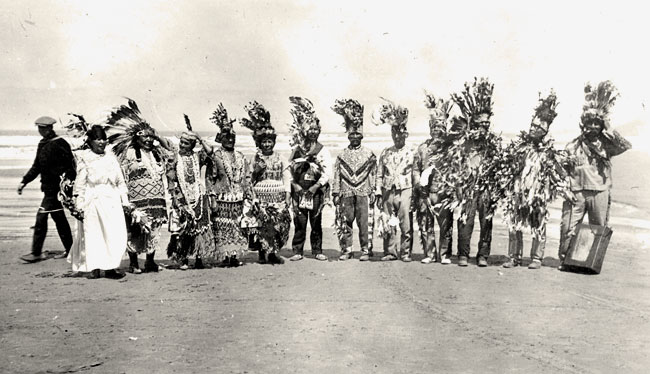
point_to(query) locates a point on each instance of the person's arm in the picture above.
(614, 143)
(326, 161)
(79, 189)
(121, 185)
(32, 173)
(372, 176)
(67, 159)
(163, 142)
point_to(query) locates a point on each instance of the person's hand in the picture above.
(335, 199)
(371, 199)
(296, 187)
(20, 188)
(313, 189)
(287, 198)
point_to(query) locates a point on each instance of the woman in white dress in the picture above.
(100, 193)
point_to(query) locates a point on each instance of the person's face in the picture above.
(145, 140)
(186, 144)
(538, 129)
(44, 131)
(267, 146)
(481, 121)
(436, 130)
(313, 132)
(228, 142)
(98, 145)
(399, 138)
(355, 138)
(592, 127)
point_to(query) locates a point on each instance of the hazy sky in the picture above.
(177, 57)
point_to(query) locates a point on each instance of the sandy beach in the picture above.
(327, 317)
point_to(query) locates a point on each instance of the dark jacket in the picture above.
(53, 159)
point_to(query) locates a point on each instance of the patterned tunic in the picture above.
(227, 187)
(191, 209)
(354, 172)
(144, 179)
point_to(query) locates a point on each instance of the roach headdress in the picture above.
(390, 113)
(304, 117)
(352, 113)
(545, 110)
(259, 122)
(476, 99)
(220, 118)
(439, 110)
(598, 102)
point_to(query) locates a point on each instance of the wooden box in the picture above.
(587, 249)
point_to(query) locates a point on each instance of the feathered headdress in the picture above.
(476, 99)
(439, 110)
(220, 118)
(598, 102)
(125, 124)
(394, 115)
(352, 113)
(304, 117)
(259, 122)
(77, 125)
(545, 110)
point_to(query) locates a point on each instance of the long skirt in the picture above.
(101, 236)
(195, 237)
(229, 238)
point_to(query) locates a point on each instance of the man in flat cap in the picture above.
(53, 159)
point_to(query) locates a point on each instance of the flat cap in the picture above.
(45, 121)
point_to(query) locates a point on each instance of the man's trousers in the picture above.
(594, 203)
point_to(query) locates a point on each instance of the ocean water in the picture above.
(630, 194)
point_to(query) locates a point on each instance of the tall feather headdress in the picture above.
(221, 120)
(352, 112)
(259, 122)
(439, 110)
(304, 117)
(545, 110)
(598, 101)
(390, 113)
(476, 99)
(124, 124)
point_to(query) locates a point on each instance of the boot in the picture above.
(275, 259)
(134, 267)
(262, 256)
(198, 263)
(234, 262)
(149, 264)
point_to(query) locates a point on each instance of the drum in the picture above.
(587, 249)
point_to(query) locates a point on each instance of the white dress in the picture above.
(101, 191)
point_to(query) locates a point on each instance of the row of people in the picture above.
(463, 167)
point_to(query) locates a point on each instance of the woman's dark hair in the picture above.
(96, 132)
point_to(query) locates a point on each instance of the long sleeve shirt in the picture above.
(354, 172)
(593, 170)
(53, 159)
(395, 169)
(307, 173)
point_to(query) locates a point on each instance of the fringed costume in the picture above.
(353, 182)
(228, 185)
(267, 218)
(395, 181)
(533, 177)
(190, 224)
(470, 177)
(429, 159)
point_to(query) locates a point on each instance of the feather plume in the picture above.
(599, 101)
(220, 118)
(475, 99)
(439, 109)
(545, 110)
(304, 116)
(123, 125)
(187, 122)
(392, 114)
(259, 117)
(351, 110)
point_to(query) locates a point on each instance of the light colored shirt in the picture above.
(395, 169)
